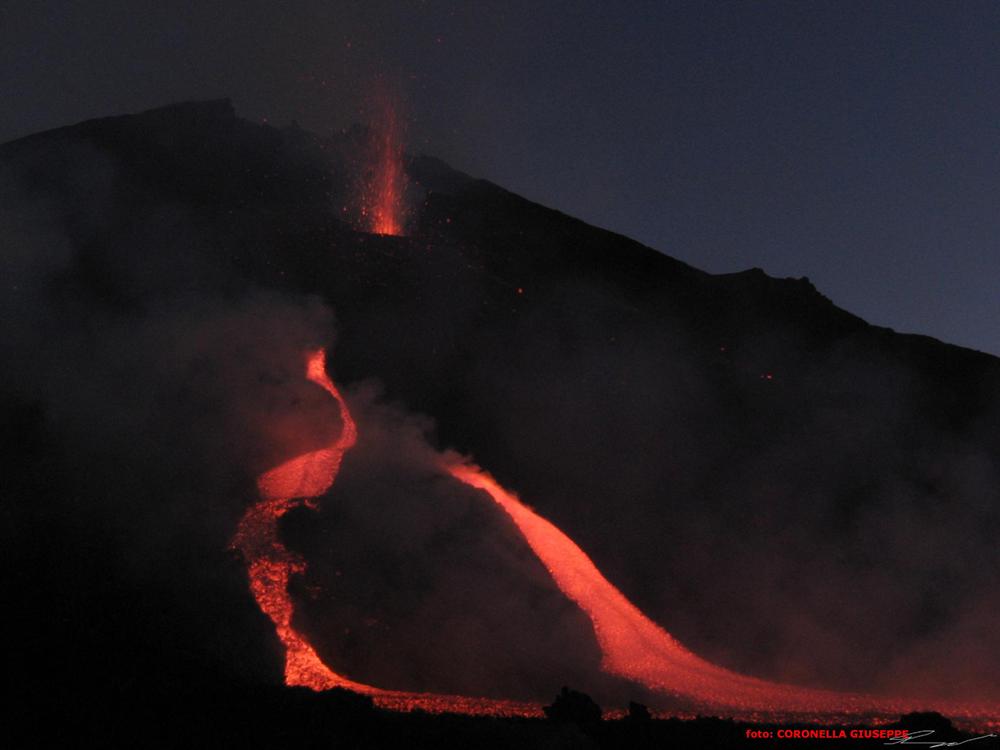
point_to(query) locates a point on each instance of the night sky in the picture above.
(853, 143)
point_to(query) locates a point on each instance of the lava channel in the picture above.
(632, 645)
(270, 565)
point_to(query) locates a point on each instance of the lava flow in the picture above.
(632, 645)
(270, 565)
(636, 648)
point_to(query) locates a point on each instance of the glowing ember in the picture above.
(632, 645)
(382, 201)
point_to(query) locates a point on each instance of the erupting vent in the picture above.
(384, 190)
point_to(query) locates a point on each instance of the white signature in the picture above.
(913, 738)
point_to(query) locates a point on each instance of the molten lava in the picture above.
(384, 191)
(636, 648)
(270, 565)
(632, 645)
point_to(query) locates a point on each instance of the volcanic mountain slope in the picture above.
(766, 475)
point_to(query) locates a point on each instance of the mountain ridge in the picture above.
(716, 443)
(429, 172)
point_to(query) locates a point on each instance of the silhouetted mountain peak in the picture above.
(715, 443)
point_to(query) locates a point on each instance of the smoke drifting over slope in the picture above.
(159, 382)
(766, 533)
(420, 585)
(166, 273)
(146, 390)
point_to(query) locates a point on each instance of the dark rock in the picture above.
(574, 707)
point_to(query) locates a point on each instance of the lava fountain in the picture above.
(384, 190)
(632, 646)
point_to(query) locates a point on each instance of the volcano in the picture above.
(796, 496)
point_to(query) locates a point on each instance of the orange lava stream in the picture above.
(270, 565)
(636, 648)
(632, 645)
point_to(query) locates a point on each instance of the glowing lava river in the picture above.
(632, 646)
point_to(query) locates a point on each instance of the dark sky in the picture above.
(854, 143)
